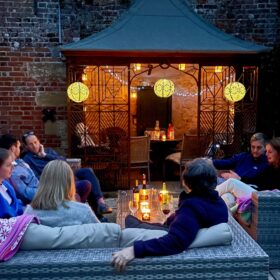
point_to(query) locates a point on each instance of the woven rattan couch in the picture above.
(265, 226)
(243, 259)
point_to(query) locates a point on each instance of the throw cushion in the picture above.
(102, 235)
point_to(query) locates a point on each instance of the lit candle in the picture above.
(146, 215)
(164, 137)
(144, 206)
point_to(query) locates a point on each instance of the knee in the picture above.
(232, 181)
(229, 199)
(87, 186)
(84, 186)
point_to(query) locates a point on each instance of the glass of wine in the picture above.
(133, 206)
(166, 208)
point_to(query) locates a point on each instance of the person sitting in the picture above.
(269, 179)
(23, 179)
(81, 130)
(37, 157)
(10, 206)
(245, 166)
(199, 207)
(54, 203)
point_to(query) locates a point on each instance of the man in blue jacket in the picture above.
(245, 166)
(23, 179)
(37, 157)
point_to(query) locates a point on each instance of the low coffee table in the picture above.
(156, 215)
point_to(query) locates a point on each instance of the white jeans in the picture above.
(232, 189)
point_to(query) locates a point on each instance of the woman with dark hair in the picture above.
(199, 207)
(269, 179)
(10, 206)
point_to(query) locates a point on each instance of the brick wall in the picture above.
(255, 20)
(32, 73)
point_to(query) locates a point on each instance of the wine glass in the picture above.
(133, 206)
(165, 208)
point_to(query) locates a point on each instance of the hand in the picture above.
(122, 258)
(230, 174)
(41, 151)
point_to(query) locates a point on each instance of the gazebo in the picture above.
(152, 38)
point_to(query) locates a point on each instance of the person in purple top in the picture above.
(37, 157)
(245, 166)
(199, 207)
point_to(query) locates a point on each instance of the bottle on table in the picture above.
(157, 131)
(136, 191)
(170, 132)
(143, 193)
(163, 195)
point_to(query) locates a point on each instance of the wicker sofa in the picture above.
(265, 226)
(243, 259)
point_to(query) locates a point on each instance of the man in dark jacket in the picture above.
(37, 157)
(245, 166)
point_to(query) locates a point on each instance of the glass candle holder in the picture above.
(146, 215)
(144, 206)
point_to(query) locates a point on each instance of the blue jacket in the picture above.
(244, 165)
(194, 213)
(24, 181)
(37, 163)
(15, 208)
(267, 180)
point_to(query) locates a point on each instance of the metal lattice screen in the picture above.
(227, 123)
(105, 119)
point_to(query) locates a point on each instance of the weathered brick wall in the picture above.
(253, 20)
(32, 74)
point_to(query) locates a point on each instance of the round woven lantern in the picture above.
(234, 91)
(78, 92)
(164, 88)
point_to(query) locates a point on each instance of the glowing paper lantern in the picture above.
(164, 88)
(234, 91)
(78, 92)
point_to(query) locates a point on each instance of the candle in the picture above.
(144, 206)
(164, 137)
(146, 215)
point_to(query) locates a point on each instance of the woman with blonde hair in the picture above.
(54, 202)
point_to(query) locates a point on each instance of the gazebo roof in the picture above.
(161, 26)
